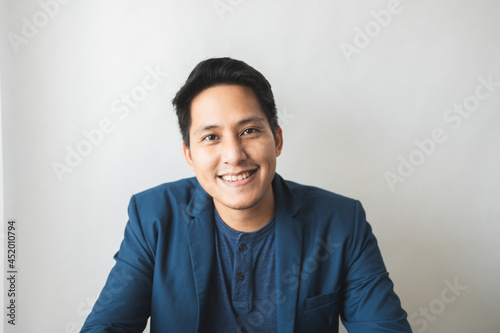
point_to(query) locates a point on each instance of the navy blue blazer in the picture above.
(328, 265)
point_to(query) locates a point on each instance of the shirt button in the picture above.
(240, 277)
(243, 247)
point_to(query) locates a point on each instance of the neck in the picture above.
(250, 219)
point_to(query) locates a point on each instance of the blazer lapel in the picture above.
(288, 238)
(200, 231)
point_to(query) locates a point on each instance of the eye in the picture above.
(210, 137)
(250, 131)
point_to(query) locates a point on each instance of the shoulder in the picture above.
(325, 211)
(320, 199)
(179, 187)
(166, 196)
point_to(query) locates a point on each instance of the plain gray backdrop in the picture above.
(394, 103)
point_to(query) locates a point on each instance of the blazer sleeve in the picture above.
(124, 303)
(370, 303)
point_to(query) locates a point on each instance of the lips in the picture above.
(236, 177)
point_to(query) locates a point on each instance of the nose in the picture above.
(233, 151)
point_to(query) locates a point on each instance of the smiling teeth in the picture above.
(241, 176)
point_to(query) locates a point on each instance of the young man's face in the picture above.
(232, 148)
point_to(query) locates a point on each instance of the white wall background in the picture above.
(347, 121)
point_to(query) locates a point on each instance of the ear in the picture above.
(187, 155)
(278, 140)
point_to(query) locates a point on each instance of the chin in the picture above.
(239, 205)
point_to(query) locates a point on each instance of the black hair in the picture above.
(220, 71)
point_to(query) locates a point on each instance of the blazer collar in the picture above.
(200, 231)
(285, 200)
(200, 201)
(288, 239)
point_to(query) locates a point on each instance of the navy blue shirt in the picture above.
(243, 288)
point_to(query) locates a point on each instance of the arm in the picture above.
(125, 301)
(370, 304)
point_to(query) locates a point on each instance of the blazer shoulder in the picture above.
(322, 210)
(313, 196)
(167, 195)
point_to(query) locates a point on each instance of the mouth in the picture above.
(239, 177)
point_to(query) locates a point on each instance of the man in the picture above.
(237, 248)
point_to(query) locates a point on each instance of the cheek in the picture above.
(268, 152)
(262, 149)
(204, 160)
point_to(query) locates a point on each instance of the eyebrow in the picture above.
(208, 127)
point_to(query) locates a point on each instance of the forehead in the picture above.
(224, 104)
